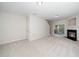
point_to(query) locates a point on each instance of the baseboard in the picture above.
(40, 38)
(10, 41)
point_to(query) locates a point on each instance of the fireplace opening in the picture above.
(72, 34)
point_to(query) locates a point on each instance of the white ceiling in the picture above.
(48, 10)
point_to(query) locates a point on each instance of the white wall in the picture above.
(51, 26)
(38, 28)
(13, 27)
(77, 23)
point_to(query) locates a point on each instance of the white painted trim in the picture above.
(10, 41)
(40, 38)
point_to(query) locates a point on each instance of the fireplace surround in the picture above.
(72, 34)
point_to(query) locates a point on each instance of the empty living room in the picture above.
(39, 29)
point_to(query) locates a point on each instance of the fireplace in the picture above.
(72, 34)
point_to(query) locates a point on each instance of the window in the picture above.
(59, 29)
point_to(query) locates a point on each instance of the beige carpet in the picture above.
(47, 47)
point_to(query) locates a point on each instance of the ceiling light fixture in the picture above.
(39, 3)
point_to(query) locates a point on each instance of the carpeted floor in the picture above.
(46, 47)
